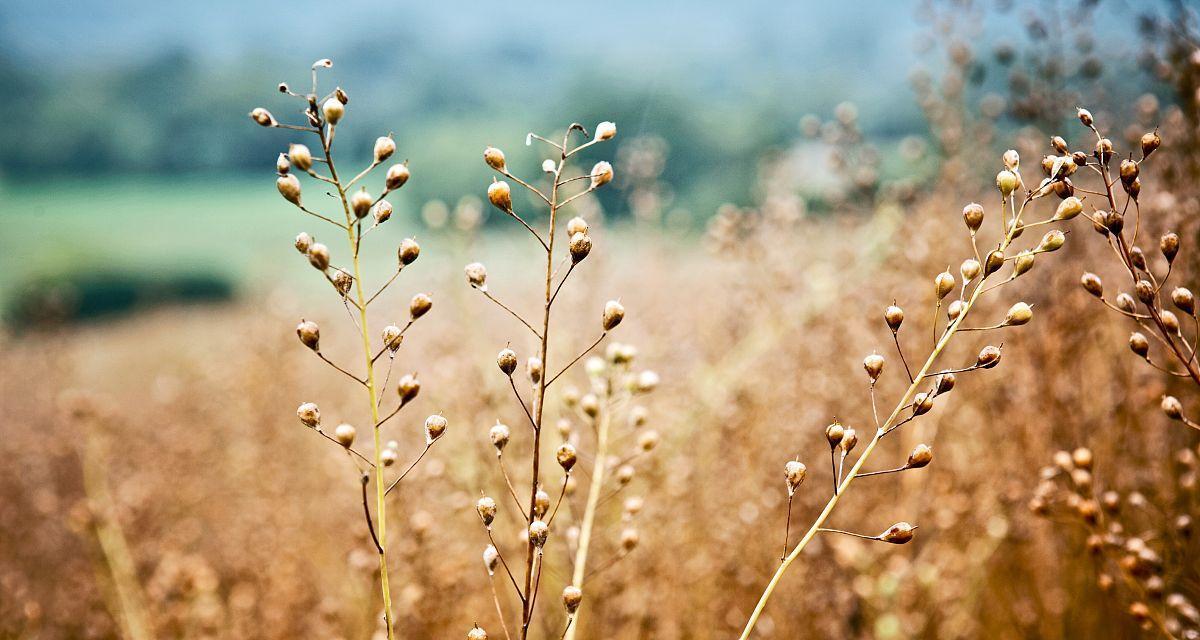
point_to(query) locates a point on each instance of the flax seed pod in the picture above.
(1068, 208)
(491, 559)
(393, 336)
(408, 252)
(361, 203)
(566, 456)
(318, 256)
(333, 110)
(602, 174)
(499, 435)
(1092, 284)
(389, 456)
(1145, 291)
(1019, 314)
(486, 508)
(973, 216)
(1104, 150)
(1022, 263)
(1011, 160)
(310, 334)
(921, 456)
(1172, 407)
(1006, 182)
(541, 503)
(419, 305)
(944, 383)
(873, 364)
(899, 533)
(1170, 321)
(494, 158)
(477, 633)
(408, 388)
(538, 532)
(500, 195)
(581, 246)
(613, 314)
(943, 284)
(625, 474)
(629, 539)
(507, 361)
(344, 434)
(476, 275)
(922, 403)
(794, 473)
(1060, 145)
(988, 357)
(282, 165)
(1084, 116)
(576, 225)
(606, 131)
(300, 157)
(289, 187)
(382, 211)
(303, 242)
(849, 441)
(993, 262)
(1169, 246)
(648, 440)
(385, 146)
(342, 281)
(533, 368)
(894, 316)
(1125, 303)
(262, 117)
(310, 415)
(969, 270)
(1150, 142)
(1184, 300)
(435, 427)
(834, 434)
(1139, 344)
(572, 597)
(1052, 241)
(396, 177)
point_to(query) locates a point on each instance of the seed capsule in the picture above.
(1145, 291)
(994, 261)
(538, 532)
(969, 269)
(382, 211)
(943, 284)
(303, 242)
(1018, 314)
(566, 456)
(384, 148)
(1125, 303)
(794, 472)
(318, 256)
(922, 403)
(849, 441)
(602, 174)
(310, 415)
(576, 225)
(988, 357)
(389, 457)
(1084, 116)
(874, 365)
(344, 434)
(420, 305)
(581, 246)
(648, 440)
(572, 597)
(1139, 344)
(408, 252)
(477, 633)
(625, 474)
(507, 361)
(1052, 241)
(1011, 160)
(310, 334)
(491, 559)
(533, 368)
(944, 383)
(361, 203)
(1150, 142)
(1172, 407)
(500, 195)
(494, 158)
(834, 434)
(1104, 150)
(397, 176)
(921, 456)
(300, 157)
(408, 388)
(499, 435)
(1068, 208)
(1092, 284)
(1184, 300)
(1007, 182)
(1129, 171)
(606, 131)
(629, 539)
(894, 316)
(262, 117)
(1169, 246)
(486, 508)
(1060, 145)
(899, 533)
(333, 110)
(1022, 263)
(614, 313)
(281, 164)
(342, 281)
(973, 216)
(392, 337)
(476, 275)
(289, 188)
(541, 503)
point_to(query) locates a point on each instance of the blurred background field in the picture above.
(784, 171)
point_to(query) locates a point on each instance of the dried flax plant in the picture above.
(1154, 319)
(323, 115)
(539, 509)
(926, 383)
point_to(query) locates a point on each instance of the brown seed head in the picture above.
(834, 434)
(572, 597)
(1023, 262)
(629, 539)
(303, 242)
(794, 472)
(262, 117)
(310, 334)
(344, 434)
(1011, 160)
(499, 435)
(922, 403)
(1052, 241)
(874, 365)
(408, 387)
(969, 269)
(491, 559)
(921, 456)
(1006, 182)
(419, 305)
(476, 275)
(1018, 314)
(1184, 300)
(397, 176)
(1104, 150)
(533, 368)
(988, 357)
(1082, 458)
(894, 316)
(477, 633)
(1125, 302)
(1092, 284)
(1172, 407)
(899, 533)
(566, 456)
(494, 158)
(361, 203)
(435, 427)
(333, 110)
(1139, 344)
(849, 441)
(943, 284)
(392, 337)
(309, 414)
(342, 281)
(500, 195)
(318, 256)
(1150, 142)
(541, 503)
(1084, 116)
(1068, 208)
(614, 313)
(606, 131)
(945, 383)
(993, 262)
(1060, 145)
(385, 146)
(1145, 291)
(289, 188)
(538, 532)
(300, 157)
(581, 246)
(408, 252)
(486, 508)
(602, 174)
(1169, 246)
(507, 361)
(576, 225)
(973, 216)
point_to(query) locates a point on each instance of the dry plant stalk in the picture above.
(614, 384)
(1155, 320)
(537, 510)
(1123, 533)
(914, 403)
(323, 114)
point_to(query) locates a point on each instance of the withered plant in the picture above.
(1141, 547)
(1146, 307)
(926, 383)
(538, 507)
(361, 213)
